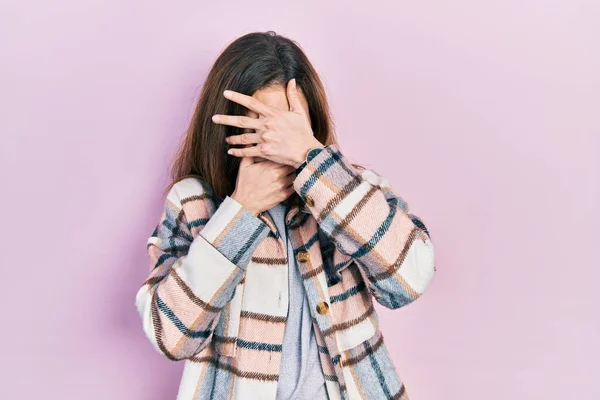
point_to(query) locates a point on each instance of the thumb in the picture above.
(293, 97)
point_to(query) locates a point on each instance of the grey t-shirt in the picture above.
(300, 375)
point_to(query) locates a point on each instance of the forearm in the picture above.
(181, 300)
(365, 219)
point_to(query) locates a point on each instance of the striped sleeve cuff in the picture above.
(235, 232)
(324, 177)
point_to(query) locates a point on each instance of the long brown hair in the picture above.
(254, 61)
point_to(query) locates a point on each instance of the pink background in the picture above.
(484, 115)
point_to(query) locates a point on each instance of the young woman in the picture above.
(272, 245)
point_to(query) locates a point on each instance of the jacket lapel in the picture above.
(289, 217)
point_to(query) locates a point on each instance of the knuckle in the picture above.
(253, 103)
(269, 135)
(269, 110)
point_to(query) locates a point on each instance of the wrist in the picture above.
(303, 152)
(235, 197)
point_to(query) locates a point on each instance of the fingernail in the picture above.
(215, 118)
(227, 93)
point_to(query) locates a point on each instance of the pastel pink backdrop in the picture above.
(484, 115)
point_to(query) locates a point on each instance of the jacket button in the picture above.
(302, 256)
(309, 200)
(322, 307)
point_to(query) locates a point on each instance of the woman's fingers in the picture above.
(244, 138)
(239, 121)
(289, 179)
(251, 151)
(288, 169)
(249, 102)
(288, 191)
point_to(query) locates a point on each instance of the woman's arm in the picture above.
(365, 219)
(193, 277)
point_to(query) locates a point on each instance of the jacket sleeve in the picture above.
(193, 276)
(367, 220)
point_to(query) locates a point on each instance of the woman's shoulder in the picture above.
(191, 189)
(191, 186)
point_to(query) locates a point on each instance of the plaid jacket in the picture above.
(217, 292)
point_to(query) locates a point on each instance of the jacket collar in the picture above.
(289, 217)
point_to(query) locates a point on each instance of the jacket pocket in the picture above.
(341, 260)
(352, 310)
(334, 262)
(225, 337)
